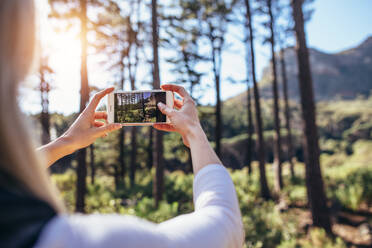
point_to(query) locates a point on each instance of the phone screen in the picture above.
(139, 107)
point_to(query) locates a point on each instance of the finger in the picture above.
(166, 110)
(164, 127)
(98, 124)
(178, 103)
(98, 96)
(100, 115)
(176, 88)
(108, 128)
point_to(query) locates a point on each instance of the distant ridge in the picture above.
(345, 75)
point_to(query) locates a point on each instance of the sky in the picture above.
(336, 25)
(339, 24)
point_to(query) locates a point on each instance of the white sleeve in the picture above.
(216, 222)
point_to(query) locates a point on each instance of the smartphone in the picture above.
(138, 108)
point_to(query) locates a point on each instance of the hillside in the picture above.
(341, 75)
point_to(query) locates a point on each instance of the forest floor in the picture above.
(353, 227)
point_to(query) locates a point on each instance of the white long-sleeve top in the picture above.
(216, 222)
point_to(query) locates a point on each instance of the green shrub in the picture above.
(362, 154)
(337, 159)
(318, 238)
(179, 188)
(145, 209)
(353, 189)
(66, 183)
(296, 194)
(264, 225)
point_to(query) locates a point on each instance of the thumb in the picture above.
(101, 131)
(165, 109)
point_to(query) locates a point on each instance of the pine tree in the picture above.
(122, 28)
(92, 166)
(45, 73)
(314, 181)
(287, 113)
(266, 7)
(66, 11)
(214, 17)
(158, 151)
(133, 59)
(183, 36)
(78, 10)
(250, 130)
(265, 193)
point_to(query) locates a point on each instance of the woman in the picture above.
(32, 215)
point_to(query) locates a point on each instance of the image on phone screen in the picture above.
(138, 107)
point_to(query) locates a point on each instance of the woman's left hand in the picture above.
(87, 127)
(83, 132)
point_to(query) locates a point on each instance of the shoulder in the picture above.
(100, 231)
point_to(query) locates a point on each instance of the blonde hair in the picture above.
(18, 159)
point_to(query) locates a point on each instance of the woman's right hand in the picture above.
(185, 120)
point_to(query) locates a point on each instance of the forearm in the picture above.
(55, 150)
(202, 153)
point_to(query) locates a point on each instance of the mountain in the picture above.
(340, 75)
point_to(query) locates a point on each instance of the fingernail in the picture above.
(161, 105)
(109, 89)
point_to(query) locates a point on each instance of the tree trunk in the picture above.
(277, 140)
(150, 160)
(159, 165)
(265, 193)
(133, 156)
(121, 155)
(84, 98)
(132, 70)
(287, 114)
(45, 125)
(189, 168)
(121, 135)
(81, 181)
(218, 117)
(44, 115)
(250, 132)
(217, 80)
(116, 177)
(186, 60)
(158, 151)
(314, 182)
(92, 167)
